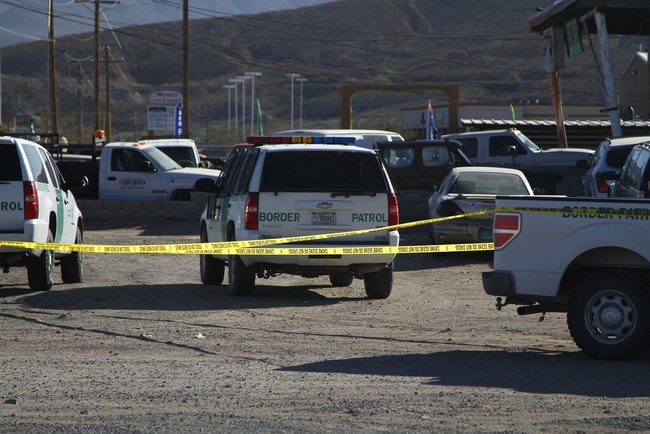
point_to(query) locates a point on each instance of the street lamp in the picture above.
(252, 75)
(243, 79)
(236, 81)
(292, 76)
(229, 87)
(301, 80)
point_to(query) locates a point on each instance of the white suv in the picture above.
(286, 190)
(36, 205)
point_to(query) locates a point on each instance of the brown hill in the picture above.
(485, 47)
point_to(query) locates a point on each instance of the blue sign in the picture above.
(178, 120)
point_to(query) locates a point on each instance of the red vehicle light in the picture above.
(601, 183)
(506, 228)
(448, 208)
(31, 200)
(251, 213)
(393, 210)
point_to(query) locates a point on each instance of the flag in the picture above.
(260, 128)
(432, 131)
(511, 109)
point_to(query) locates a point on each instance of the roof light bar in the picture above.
(271, 140)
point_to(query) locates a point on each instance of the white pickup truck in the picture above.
(136, 171)
(587, 257)
(511, 147)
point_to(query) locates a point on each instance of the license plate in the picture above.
(323, 218)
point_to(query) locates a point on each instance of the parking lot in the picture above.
(143, 346)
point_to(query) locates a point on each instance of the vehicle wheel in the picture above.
(342, 279)
(40, 269)
(212, 269)
(72, 265)
(380, 283)
(241, 279)
(609, 315)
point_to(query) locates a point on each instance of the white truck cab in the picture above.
(141, 171)
(511, 147)
(36, 205)
(181, 150)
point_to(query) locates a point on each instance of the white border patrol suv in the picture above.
(276, 187)
(36, 205)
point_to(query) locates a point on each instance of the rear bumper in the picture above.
(499, 283)
(34, 230)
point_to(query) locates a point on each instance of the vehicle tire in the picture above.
(380, 283)
(40, 269)
(241, 279)
(609, 315)
(212, 269)
(181, 196)
(72, 265)
(341, 279)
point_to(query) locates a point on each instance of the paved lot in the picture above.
(143, 346)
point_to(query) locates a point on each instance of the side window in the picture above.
(49, 165)
(470, 147)
(231, 172)
(499, 146)
(245, 172)
(401, 156)
(628, 168)
(128, 160)
(435, 156)
(639, 170)
(36, 164)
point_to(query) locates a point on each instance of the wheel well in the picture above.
(52, 224)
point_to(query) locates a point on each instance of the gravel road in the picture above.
(142, 346)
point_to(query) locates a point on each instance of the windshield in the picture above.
(183, 155)
(528, 143)
(160, 159)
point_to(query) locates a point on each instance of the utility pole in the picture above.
(96, 65)
(252, 75)
(301, 80)
(108, 96)
(292, 76)
(186, 70)
(229, 87)
(52, 71)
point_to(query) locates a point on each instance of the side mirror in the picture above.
(512, 151)
(146, 166)
(76, 182)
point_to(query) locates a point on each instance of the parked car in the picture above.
(635, 175)
(421, 164)
(289, 189)
(471, 189)
(606, 164)
(36, 205)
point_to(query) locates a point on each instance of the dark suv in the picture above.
(422, 164)
(635, 175)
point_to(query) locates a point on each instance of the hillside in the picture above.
(488, 50)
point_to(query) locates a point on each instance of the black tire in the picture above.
(341, 279)
(40, 269)
(72, 270)
(212, 269)
(380, 283)
(241, 279)
(609, 315)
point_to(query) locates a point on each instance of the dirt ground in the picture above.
(143, 346)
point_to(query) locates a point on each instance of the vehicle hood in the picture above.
(196, 173)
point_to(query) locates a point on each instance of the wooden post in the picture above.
(559, 113)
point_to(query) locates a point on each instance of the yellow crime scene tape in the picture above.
(257, 247)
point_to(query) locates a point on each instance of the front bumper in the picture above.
(499, 283)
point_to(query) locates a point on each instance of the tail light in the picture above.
(601, 183)
(393, 210)
(30, 200)
(506, 228)
(448, 208)
(251, 213)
